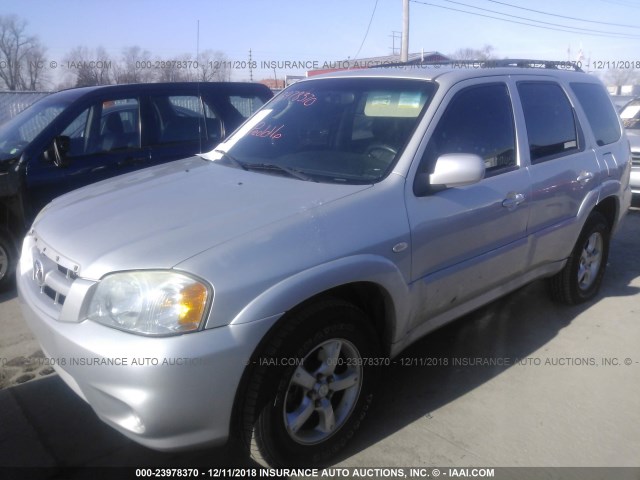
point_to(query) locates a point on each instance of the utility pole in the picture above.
(395, 36)
(404, 52)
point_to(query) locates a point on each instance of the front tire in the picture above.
(312, 386)
(580, 279)
(8, 259)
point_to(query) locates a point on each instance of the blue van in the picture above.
(80, 136)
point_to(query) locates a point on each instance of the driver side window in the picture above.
(104, 127)
(478, 120)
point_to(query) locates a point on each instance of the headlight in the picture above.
(150, 302)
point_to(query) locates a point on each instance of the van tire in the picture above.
(8, 259)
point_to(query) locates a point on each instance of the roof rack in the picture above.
(527, 63)
(493, 63)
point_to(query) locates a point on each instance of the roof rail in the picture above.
(528, 63)
(493, 63)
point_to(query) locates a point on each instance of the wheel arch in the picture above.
(372, 283)
(609, 208)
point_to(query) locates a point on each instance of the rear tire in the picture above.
(580, 279)
(312, 386)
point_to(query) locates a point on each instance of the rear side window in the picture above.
(179, 119)
(246, 105)
(551, 125)
(600, 112)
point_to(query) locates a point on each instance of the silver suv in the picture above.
(253, 292)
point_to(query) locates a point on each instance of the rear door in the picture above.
(564, 172)
(468, 240)
(174, 125)
(234, 103)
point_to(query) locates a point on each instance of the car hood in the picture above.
(161, 216)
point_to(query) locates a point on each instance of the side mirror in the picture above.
(451, 170)
(60, 148)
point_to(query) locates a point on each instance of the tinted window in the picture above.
(599, 110)
(549, 118)
(478, 120)
(16, 134)
(104, 127)
(178, 119)
(246, 105)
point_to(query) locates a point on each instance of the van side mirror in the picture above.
(60, 149)
(451, 170)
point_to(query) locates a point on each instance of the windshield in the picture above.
(330, 130)
(630, 115)
(17, 133)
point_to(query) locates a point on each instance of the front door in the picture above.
(468, 240)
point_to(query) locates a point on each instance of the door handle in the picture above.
(513, 200)
(584, 177)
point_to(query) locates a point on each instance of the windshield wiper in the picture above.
(231, 159)
(292, 172)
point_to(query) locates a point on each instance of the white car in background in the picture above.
(630, 116)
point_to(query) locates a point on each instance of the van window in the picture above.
(246, 105)
(179, 119)
(106, 126)
(550, 121)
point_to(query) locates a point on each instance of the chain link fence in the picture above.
(12, 103)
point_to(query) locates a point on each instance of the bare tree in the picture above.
(89, 67)
(179, 69)
(15, 45)
(135, 66)
(213, 66)
(35, 73)
(484, 53)
(620, 78)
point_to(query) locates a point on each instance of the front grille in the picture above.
(67, 272)
(53, 295)
(52, 274)
(635, 158)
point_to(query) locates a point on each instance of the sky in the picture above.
(329, 30)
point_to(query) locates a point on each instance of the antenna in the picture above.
(200, 123)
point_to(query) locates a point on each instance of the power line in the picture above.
(564, 16)
(564, 29)
(621, 35)
(622, 3)
(367, 32)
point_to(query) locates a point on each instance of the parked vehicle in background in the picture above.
(630, 116)
(350, 216)
(79, 136)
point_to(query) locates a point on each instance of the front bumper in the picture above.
(166, 393)
(634, 180)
